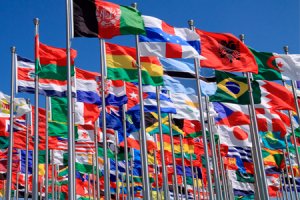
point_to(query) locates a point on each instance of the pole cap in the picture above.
(242, 37)
(134, 5)
(36, 21)
(191, 22)
(286, 49)
(28, 101)
(13, 49)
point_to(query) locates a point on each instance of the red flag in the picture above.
(226, 52)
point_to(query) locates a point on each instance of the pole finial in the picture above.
(191, 22)
(286, 49)
(134, 5)
(28, 101)
(13, 49)
(242, 37)
(36, 21)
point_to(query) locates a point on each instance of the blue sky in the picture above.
(267, 24)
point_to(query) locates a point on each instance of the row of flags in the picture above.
(181, 162)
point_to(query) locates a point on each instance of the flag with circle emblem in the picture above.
(235, 136)
(234, 89)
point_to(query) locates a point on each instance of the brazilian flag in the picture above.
(234, 89)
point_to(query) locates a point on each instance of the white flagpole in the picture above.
(71, 135)
(28, 123)
(284, 184)
(287, 175)
(96, 130)
(183, 165)
(52, 175)
(117, 166)
(11, 128)
(155, 166)
(47, 148)
(162, 148)
(202, 120)
(143, 139)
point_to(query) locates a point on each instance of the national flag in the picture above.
(267, 66)
(163, 40)
(20, 106)
(225, 52)
(53, 62)
(133, 141)
(273, 181)
(242, 183)
(231, 114)
(102, 19)
(235, 136)
(121, 65)
(175, 86)
(273, 157)
(116, 92)
(273, 140)
(234, 89)
(191, 128)
(243, 156)
(289, 66)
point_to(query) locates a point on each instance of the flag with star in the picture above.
(234, 89)
(289, 65)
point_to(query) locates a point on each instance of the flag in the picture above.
(25, 80)
(243, 158)
(121, 65)
(289, 66)
(226, 52)
(116, 92)
(273, 157)
(20, 106)
(191, 128)
(273, 140)
(242, 184)
(234, 89)
(102, 19)
(163, 40)
(235, 136)
(267, 66)
(175, 86)
(273, 181)
(53, 62)
(231, 114)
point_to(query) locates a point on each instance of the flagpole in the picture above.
(256, 141)
(291, 167)
(224, 182)
(193, 176)
(155, 166)
(117, 166)
(173, 155)
(287, 175)
(284, 184)
(214, 152)
(286, 51)
(28, 123)
(197, 184)
(96, 130)
(94, 183)
(143, 140)
(47, 147)
(183, 164)
(132, 179)
(162, 147)
(11, 127)
(52, 174)
(126, 149)
(89, 186)
(71, 135)
(202, 119)
(103, 74)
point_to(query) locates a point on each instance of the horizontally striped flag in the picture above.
(163, 40)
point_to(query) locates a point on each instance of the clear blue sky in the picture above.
(267, 24)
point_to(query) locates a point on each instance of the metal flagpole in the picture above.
(214, 152)
(96, 130)
(197, 184)
(143, 140)
(285, 184)
(287, 175)
(256, 141)
(94, 183)
(173, 156)
(28, 124)
(52, 174)
(291, 168)
(89, 186)
(47, 148)
(126, 150)
(117, 166)
(162, 147)
(155, 166)
(202, 120)
(283, 187)
(193, 176)
(103, 74)
(224, 182)
(71, 135)
(11, 128)
(132, 179)
(183, 165)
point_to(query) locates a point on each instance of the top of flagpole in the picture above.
(191, 22)
(13, 49)
(36, 21)
(242, 37)
(286, 49)
(134, 5)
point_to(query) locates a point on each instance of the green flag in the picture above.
(234, 89)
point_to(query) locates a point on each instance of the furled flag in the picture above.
(235, 136)
(231, 114)
(20, 106)
(289, 66)
(150, 103)
(53, 62)
(163, 40)
(226, 52)
(25, 80)
(121, 65)
(234, 89)
(102, 19)
(267, 66)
